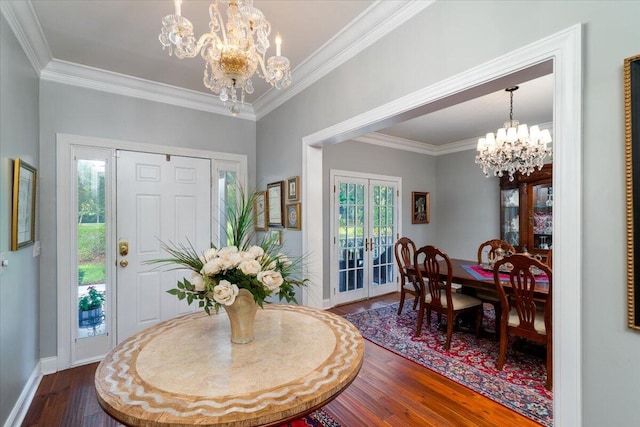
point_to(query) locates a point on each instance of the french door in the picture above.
(365, 212)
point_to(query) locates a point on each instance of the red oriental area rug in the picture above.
(470, 361)
(318, 418)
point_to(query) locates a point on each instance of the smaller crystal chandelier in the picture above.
(514, 148)
(232, 52)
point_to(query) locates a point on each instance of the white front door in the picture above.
(364, 229)
(160, 198)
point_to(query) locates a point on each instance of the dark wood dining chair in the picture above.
(489, 248)
(438, 295)
(522, 314)
(486, 252)
(404, 250)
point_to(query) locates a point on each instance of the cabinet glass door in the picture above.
(542, 216)
(510, 214)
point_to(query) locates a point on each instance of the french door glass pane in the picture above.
(382, 234)
(351, 235)
(91, 238)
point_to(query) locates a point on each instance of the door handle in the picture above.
(124, 263)
(123, 247)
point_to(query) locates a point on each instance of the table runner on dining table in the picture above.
(481, 274)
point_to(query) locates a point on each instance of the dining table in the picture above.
(186, 372)
(473, 276)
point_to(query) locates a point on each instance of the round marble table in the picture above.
(186, 371)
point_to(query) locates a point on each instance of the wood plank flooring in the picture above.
(389, 391)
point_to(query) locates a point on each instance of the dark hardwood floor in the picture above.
(389, 391)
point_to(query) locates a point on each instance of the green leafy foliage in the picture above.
(92, 299)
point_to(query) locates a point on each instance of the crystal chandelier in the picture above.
(514, 148)
(232, 52)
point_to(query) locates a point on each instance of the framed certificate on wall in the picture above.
(275, 203)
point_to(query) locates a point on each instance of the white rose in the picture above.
(212, 267)
(210, 254)
(284, 260)
(225, 293)
(227, 250)
(256, 252)
(250, 268)
(270, 279)
(198, 281)
(229, 260)
(246, 256)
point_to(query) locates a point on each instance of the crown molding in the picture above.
(371, 25)
(25, 26)
(121, 84)
(375, 22)
(389, 141)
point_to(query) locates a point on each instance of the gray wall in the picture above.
(451, 37)
(468, 205)
(19, 308)
(78, 111)
(418, 173)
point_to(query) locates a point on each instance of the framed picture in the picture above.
(275, 204)
(420, 208)
(293, 185)
(260, 206)
(23, 223)
(275, 236)
(293, 216)
(632, 154)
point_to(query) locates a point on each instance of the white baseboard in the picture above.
(49, 365)
(24, 401)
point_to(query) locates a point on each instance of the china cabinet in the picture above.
(526, 211)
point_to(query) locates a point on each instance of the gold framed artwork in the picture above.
(632, 163)
(293, 189)
(275, 204)
(23, 221)
(260, 211)
(293, 216)
(275, 236)
(420, 207)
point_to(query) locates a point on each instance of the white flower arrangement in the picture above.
(218, 274)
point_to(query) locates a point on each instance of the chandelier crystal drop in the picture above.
(514, 148)
(233, 51)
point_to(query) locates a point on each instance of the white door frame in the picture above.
(333, 173)
(64, 165)
(565, 49)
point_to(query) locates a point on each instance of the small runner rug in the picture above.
(318, 418)
(470, 360)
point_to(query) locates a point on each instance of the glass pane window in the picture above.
(227, 186)
(91, 248)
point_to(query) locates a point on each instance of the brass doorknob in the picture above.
(124, 263)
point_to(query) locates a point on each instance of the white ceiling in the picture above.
(85, 39)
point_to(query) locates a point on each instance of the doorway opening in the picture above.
(564, 49)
